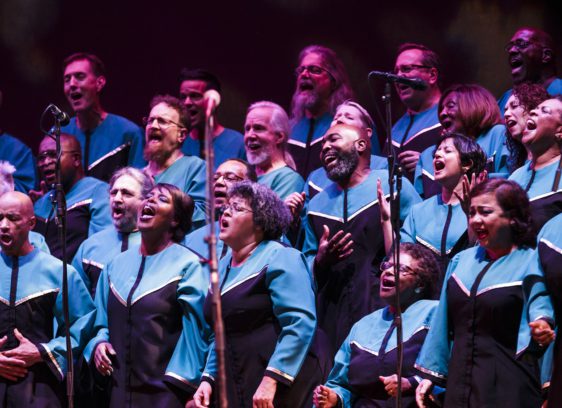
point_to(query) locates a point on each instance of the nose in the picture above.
(3, 223)
(118, 196)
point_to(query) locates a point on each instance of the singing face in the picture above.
(125, 200)
(314, 82)
(228, 173)
(447, 163)
(260, 140)
(449, 115)
(237, 222)
(515, 118)
(192, 93)
(525, 54)
(81, 86)
(163, 133)
(489, 223)
(339, 155)
(69, 161)
(157, 212)
(409, 280)
(544, 126)
(410, 64)
(16, 220)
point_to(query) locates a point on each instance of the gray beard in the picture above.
(127, 223)
(259, 158)
(346, 165)
(306, 100)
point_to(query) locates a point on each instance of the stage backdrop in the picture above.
(251, 45)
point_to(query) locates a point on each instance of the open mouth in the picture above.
(447, 123)
(531, 125)
(510, 123)
(481, 234)
(154, 136)
(515, 62)
(75, 96)
(387, 282)
(220, 193)
(438, 164)
(306, 86)
(6, 239)
(329, 159)
(253, 146)
(147, 213)
(117, 212)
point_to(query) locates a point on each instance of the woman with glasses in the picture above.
(494, 315)
(439, 222)
(268, 308)
(364, 372)
(472, 111)
(151, 336)
(525, 97)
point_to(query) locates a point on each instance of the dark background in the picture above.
(251, 45)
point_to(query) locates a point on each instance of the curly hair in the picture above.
(183, 210)
(470, 152)
(529, 97)
(514, 202)
(426, 268)
(269, 212)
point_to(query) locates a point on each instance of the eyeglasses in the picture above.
(228, 176)
(312, 70)
(403, 270)
(520, 44)
(406, 69)
(235, 207)
(162, 123)
(52, 154)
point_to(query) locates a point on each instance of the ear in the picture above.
(32, 221)
(558, 134)
(182, 135)
(280, 138)
(369, 132)
(546, 55)
(433, 76)
(467, 167)
(100, 83)
(361, 145)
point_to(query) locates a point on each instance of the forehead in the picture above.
(164, 110)
(47, 144)
(349, 110)
(259, 115)
(193, 85)
(10, 203)
(554, 104)
(524, 34)
(160, 191)
(232, 166)
(81, 65)
(344, 132)
(312, 58)
(451, 97)
(406, 259)
(447, 142)
(512, 98)
(488, 199)
(126, 182)
(409, 57)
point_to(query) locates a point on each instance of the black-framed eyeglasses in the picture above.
(520, 44)
(162, 123)
(312, 70)
(235, 207)
(403, 270)
(228, 176)
(52, 154)
(406, 69)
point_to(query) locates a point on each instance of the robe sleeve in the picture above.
(186, 365)
(287, 184)
(291, 291)
(100, 333)
(433, 360)
(81, 313)
(338, 380)
(408, 231)
(77, 264)
(408, 198)
(100, 214)
(310, 246)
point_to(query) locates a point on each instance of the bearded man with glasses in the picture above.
(166, 128)
(531, 58)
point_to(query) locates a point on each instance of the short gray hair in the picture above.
(366, 119)
(145, 181)
(269, 211)
(279, 122)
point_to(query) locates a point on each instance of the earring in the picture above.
(418, 290)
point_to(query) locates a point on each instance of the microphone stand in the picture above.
(211, 239)
(395, 173)
(59, 201)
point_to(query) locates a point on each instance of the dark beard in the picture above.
(347, 162)
(157, 156)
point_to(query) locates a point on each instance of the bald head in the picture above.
(531, 56)
(16, 220)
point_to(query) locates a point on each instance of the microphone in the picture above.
(213, 99)
(59, 115)
(414, 83)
